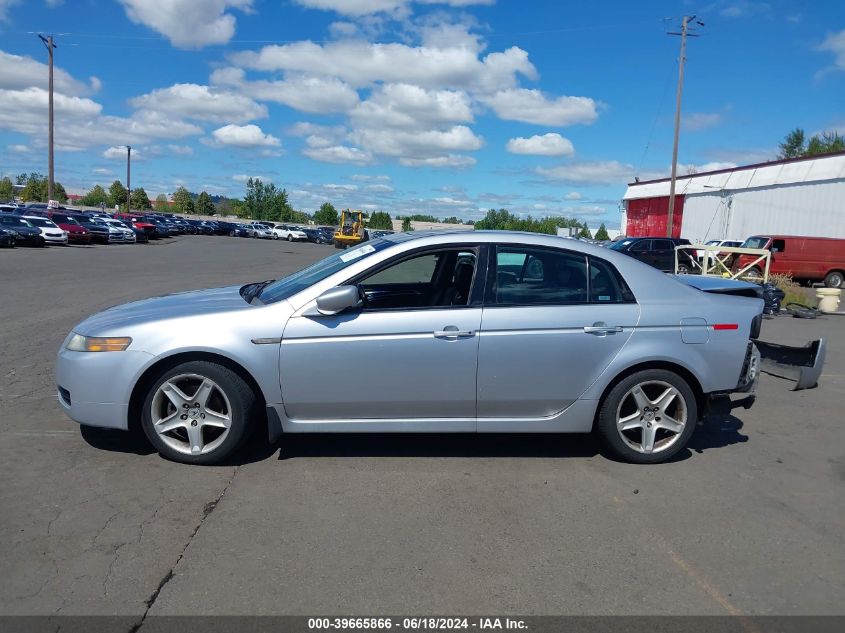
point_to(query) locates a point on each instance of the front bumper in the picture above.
(94, 388)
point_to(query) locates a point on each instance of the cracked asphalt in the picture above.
(750, 520)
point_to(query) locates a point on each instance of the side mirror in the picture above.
(336, 300)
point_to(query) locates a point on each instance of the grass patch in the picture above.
(792, 290)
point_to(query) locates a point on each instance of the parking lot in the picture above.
(751, 520)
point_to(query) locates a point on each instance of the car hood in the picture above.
(173, 306)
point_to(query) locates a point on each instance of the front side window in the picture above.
(642, 245)
(543, 277)
(434, 279)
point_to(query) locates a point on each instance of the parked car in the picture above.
(137, 223)
(160, 229)
(656, 251)
(574, 338)
(240, 230)
(129, 236)
(25, 232)
(50, 231)
(76, 233)
(100, 233)
(316, 236)
(699, 254)
(261, 230)
(289, 233)
(805, 258)
(7, 237)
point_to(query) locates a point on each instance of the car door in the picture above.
(642, 251)
(663, 254)
(553, 321)
(410, 353)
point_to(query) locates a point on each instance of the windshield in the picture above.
(298, 281)
(756, 242)
(16, 221)
(40, 222)
(618, 246)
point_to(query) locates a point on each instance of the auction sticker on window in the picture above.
(366, 249)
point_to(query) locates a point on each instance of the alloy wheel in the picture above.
(191, 414)
(651, 416)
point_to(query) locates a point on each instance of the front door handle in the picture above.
(451, 332)
(601, 328)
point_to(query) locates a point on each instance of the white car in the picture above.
(289, 233)
(51, 233)
(699, 254)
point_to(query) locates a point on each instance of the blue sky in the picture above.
(448, 107)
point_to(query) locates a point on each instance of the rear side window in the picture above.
(606, 284)
(663, 245)
(529, 276)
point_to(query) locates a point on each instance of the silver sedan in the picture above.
(486, 332)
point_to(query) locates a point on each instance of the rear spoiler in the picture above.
(803, 365)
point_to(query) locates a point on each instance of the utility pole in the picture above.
(128, 181)
(48, 42)
(684, 33)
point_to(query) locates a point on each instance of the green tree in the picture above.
(161, 203)
(406, 224)
(382, 220)
(585, 232)
(503, 220)
(7, 191)
(182, 201)
(204, 204)
(796, 144)
(326, 215)
(601, 234)
(117, 194)
(266, 202)
(793, 145)
(140, 199)
(95, 197)
(452, 220)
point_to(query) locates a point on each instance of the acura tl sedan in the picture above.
(465, 331)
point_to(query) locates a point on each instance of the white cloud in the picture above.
(408, 106)
(573, 195)
(339, 154)
(201, 102)
(695, 121)
(835, 43)
(711, 166)
(188, 23)
(18, 72)
(335, 187)
(744, 8)
(362, 63)
(379, 188)
(371, 178)
(180, 150)
(551, 144)
(532, 106)
(245, 177)
(19, 149)
(357, 8)
(5, 5)
(119, 153)
(307, 93)
(595, 173)
(457, 161)
(410, 143)
(243, 136)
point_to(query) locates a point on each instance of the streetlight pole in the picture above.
(48, 42)
(128, 181)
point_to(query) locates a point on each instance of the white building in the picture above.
(802, 196)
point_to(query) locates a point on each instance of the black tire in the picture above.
(243, 411)
(834, 279)
(290, 237)
(231, 234)
(275, 236)
(606, 424)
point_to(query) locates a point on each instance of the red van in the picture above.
(805, 258)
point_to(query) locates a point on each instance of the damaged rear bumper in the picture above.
(803, 365)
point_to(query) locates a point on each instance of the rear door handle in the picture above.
(451, 332)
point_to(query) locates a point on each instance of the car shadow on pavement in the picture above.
(437, 445)
(717, 431)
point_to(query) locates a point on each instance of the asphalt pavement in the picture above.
(749, 521)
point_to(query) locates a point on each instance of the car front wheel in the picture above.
(198, 412)
(648, 416)
(834, 279)
(290, 238)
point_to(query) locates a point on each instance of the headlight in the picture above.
(79, 343)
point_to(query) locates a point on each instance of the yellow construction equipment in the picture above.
(350, 231)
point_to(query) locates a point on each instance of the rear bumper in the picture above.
(803, 365)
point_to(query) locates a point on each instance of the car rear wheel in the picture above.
(290, 238)
(198, 412)
(834, 279)
(648, 417)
